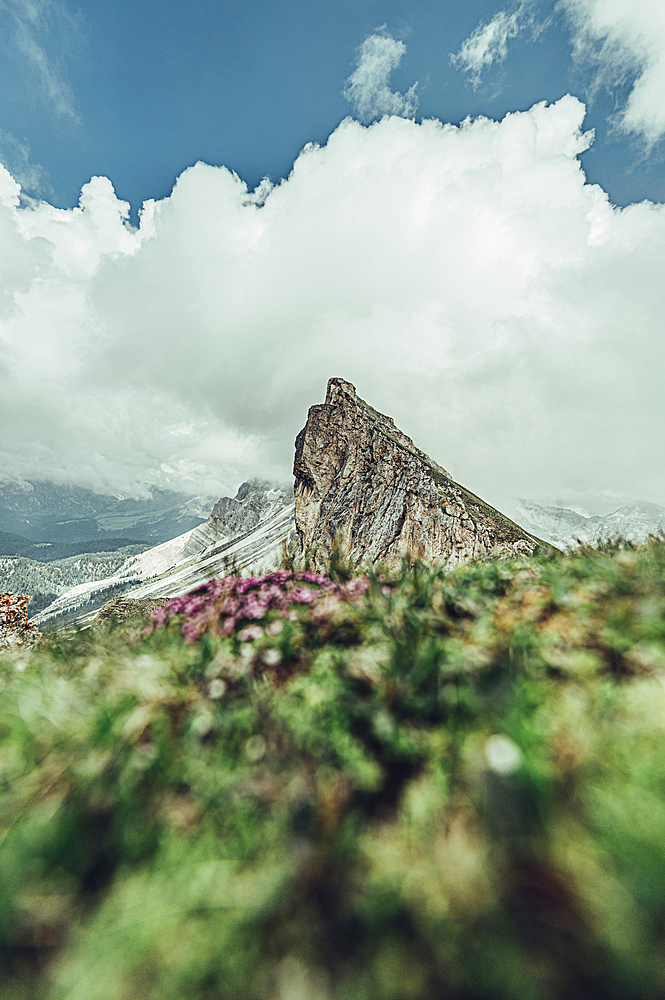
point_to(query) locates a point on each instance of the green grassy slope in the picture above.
(450, 786)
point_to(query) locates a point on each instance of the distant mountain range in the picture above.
(46, 580)
(359, 480)
(242, 533)
(55, 537)
(566, 528)
(41, 511)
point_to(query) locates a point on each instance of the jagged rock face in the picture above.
(358, 477)
(255, 501)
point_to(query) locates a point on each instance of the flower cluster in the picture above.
(14, 624)
(220, 606)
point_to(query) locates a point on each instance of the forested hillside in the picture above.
(44, 581)
(17, 545)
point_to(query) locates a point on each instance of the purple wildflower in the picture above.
(224, 604)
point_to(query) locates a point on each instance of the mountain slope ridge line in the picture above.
(359, 480)
(363, 482)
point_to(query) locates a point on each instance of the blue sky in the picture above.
(463, 216)
(138, 91)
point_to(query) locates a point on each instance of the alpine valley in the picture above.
(360, 484)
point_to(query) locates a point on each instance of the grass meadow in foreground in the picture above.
(291, 788)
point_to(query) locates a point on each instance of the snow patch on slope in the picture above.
(158, 559)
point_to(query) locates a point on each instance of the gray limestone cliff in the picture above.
(256, 502)
(360, 479)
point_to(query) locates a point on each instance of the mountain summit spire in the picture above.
(360, 479)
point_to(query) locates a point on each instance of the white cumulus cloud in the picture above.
(625, 41)
(466, 278)
(368, 87)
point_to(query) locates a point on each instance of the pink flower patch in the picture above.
(220, 606)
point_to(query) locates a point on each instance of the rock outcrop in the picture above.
(359, 479)
(257, 502)
(127, 609)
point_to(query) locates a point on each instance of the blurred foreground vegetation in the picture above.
(449, 786)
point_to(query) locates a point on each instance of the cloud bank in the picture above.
(368, 88)
(625, 41)
(466, 279)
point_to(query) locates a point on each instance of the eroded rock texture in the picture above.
(233, 518)
(359, 477)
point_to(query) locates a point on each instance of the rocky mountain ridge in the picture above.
(359, 480)
(242, 534)
(362, 481)
(566, 528)
(256, 501)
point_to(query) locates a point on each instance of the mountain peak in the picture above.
(338, 387)
(359, 478)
